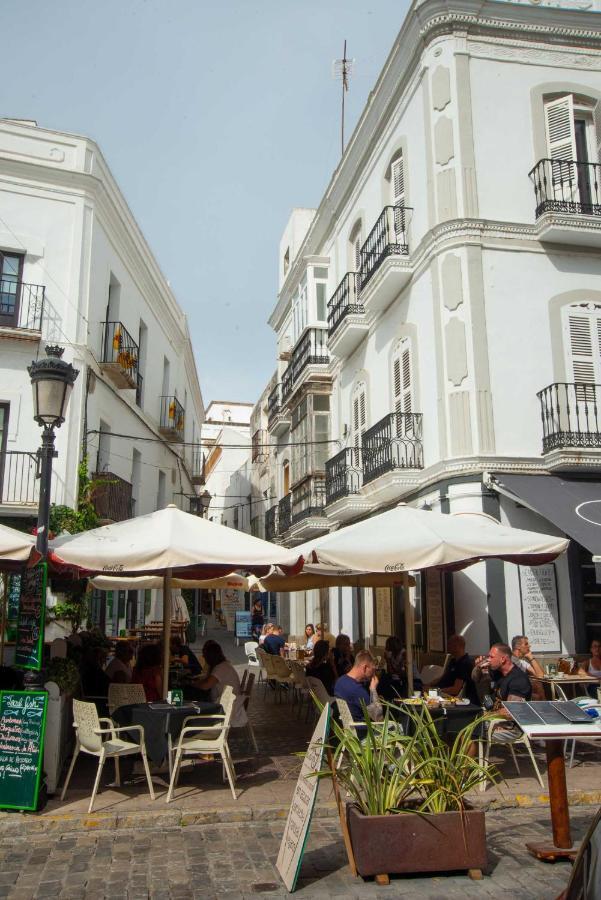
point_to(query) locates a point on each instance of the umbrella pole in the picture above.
(408, 632)
(166, 629)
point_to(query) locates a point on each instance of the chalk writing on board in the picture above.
(22, 722)
(540, 610)
(434, 610)
(30, 624)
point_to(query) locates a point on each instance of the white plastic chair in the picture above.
(250, 649)
(247, 691)
(89, 736)
(520, 738)
(125, 695)
(207, 739)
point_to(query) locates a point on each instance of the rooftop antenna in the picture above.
(343, 69)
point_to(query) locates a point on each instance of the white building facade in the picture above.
(77, 272)
(439, 320)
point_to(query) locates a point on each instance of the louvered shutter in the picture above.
(597, 124)
(402, 387)
(561, 145)
(581, 348)
(397, 178)
(357, 250)
(359, 422)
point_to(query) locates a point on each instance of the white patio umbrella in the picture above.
(169, 542)
(405, 539)
(150, 582)
(15, 546)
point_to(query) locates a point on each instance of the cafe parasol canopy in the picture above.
(16, 548)
(170, 543)
(406, 539)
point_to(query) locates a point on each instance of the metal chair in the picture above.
(89, 736)
(520, 738)
(125, 695)
(207, 739)
(263, 658)
(281, 674)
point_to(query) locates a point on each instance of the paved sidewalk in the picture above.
(237, 861)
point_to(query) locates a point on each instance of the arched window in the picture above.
(582, 329)
(354, 248)
(396, 177)
(358, 419)
(402, 386)
(285, 477)
(572, 145)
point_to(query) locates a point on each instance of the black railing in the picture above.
(19, 484)
(284, 513)
(172, 416)
(139, 389)
(571, 415)
(344, 474)
(344, 301)
(395, 442)
(567, 186)
(274, 403)
(271, 523)
(311, 349)
(259, 442)
(308, 499)
(119, 347)
(112, 497)
(388, 237)
(21, 305)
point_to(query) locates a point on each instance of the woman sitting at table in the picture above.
(310, 638)
(393, 681)
(322, 666)
(342, 655)
(593, 667)
(119, 668)
(221, 673)
(149, 673)
(180, 652)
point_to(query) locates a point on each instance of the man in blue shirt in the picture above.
(274, 643)
(359, 686)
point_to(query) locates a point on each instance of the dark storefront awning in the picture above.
(574, 505)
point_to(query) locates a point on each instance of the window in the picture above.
(104, 447)
(11, 270)
(136, 476)
(4, 408)
(402, 387)
(310, 432)
(165, 384)
(255, 526)
(161, 490)
(142, 350)
(583, 342)
(358, 420)
(571, 145)
(320, 274)
(285, 478)
(299, 311)
(397, 181)
(286, 261)
(355, 244)
(236, 517)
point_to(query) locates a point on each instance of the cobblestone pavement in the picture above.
(237, 861)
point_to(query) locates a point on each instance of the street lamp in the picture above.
(205, 501)
(52, 381)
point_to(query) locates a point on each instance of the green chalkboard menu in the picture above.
(12, 609)
(30, 624)
(22, 724)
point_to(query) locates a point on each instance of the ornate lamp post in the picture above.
(52, 381)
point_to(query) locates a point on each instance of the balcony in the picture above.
(21, 309)
(271, 523)
(385, 267)
(284, 514)
(347, 325)
(198, 466)
(393, 443)
(568, 201)
(112, 497)
(571, 417)
(19, 483)
(310, 357)
(119, 359)
(278, 417)
(344, 478)
(173, 418)
(259, 449)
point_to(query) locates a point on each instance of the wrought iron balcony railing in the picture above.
(112, 497)
(395, 442)
(388, 237)
(571, 415)
(567, 186)
(19, 485)
(344, 301)
(274, 403)
(271, 523)
(284, 513)
(344, 474)
(311, 349)
(308, 499)
(172, 419)
(120, 349)
(21, 305)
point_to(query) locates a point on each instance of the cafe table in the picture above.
(554, 736)
(561, 681)
(162, 721)
(449, 718)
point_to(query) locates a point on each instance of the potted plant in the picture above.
(407, 810)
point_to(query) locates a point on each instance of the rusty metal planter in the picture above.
(412, 842)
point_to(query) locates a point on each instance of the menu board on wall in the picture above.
(22, 723)
(383, 602)
(540, 607)
(434, 610)
(231, 601)
(30, 624)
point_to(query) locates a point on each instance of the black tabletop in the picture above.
(160, 720)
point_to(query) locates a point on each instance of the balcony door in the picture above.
(358, 423)
(571, 148)
(11, 271)
(583, 346)
(3, 438)
(402, 389)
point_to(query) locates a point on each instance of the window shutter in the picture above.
(359, 421)
(358, 253)
(402, 388)
(597, 124)
(559, 122)
(397, 179)
(581, 348)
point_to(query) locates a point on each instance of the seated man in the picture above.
(358, 686)
(523, 657)
(119, 668)
(458, 676)
(182, 652)
(507, 682)
(274, 643)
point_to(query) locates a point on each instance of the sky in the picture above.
(216, 119)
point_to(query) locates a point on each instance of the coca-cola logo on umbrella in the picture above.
(590, 511)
